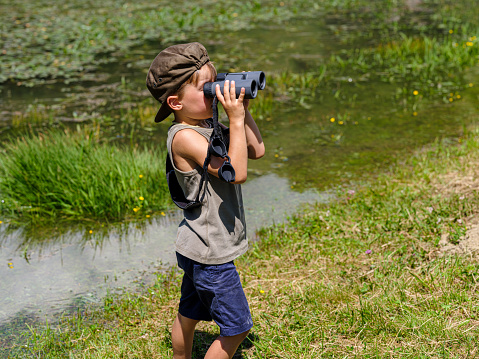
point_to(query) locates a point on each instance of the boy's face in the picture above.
(195, 105)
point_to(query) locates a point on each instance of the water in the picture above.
(45, 274)
(63, 272)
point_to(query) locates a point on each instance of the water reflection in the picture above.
(50, 274)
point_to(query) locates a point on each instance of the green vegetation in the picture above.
(72, 175)
(420, 53)
(379, 273)
(47, 39)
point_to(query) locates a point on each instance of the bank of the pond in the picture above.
(388, 270)
(73, 175)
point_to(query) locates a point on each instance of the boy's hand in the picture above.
(245, 101)
(234, 107)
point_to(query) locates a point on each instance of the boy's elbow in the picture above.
(240, 179)
(260, 154)
(257, 153)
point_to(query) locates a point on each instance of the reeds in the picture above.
(73, 175)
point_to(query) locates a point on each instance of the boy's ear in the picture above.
(174, 103)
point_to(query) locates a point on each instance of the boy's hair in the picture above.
(193, 80)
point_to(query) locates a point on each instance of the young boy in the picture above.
(212, 235)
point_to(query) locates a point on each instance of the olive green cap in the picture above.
(170, 69)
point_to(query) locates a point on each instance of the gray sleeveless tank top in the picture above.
(215, 232)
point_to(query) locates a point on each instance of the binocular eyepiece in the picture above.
(252, 81)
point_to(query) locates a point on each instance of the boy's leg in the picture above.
(182, 336)
(225, 347)
(228, 307)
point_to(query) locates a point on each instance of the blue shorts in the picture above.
(214, 292)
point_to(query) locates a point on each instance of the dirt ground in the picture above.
(465, 183)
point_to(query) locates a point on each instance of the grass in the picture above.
(366, 276)
(426, 65)
(72, 175)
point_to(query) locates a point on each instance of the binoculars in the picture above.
(252, 81)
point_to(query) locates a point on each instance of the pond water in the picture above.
(60, 273)
(307, 153)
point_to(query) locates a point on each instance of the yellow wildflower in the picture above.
(458, 96)
(147, 216)
(340, 122)
(141, 198)
(136, 209)
(163, 214)
(141, 176)
(261, 291)
(471, 84)
(415, 93)
(451, 31)
(332, 119)
(91, 231)
(414, 113)
(450, 99)
(469, 43)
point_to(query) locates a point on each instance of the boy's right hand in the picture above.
(233, 106)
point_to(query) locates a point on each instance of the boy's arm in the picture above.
(190, 148)
(254, 140)
(238, 147)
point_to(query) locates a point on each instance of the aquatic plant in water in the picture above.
(72, 175)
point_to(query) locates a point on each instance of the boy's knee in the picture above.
(242, 336)
(234, 340)
(245, 334)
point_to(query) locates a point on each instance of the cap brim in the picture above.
(163, 113)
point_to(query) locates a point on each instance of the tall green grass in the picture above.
(363, 277)
(431, 65)
(73, 175)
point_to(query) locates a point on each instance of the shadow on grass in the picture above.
(203, 340)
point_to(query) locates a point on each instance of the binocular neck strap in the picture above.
(216, 131)
(216, 126)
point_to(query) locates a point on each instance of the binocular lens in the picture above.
(261, 79)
